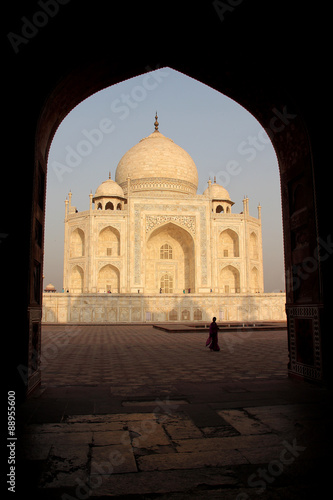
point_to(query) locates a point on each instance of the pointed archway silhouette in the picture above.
(50, 75)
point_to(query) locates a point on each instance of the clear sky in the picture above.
(223, 139)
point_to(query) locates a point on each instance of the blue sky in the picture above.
(223, 139)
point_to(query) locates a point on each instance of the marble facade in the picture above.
(141, 308)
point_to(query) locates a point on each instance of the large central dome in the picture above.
(156, 163)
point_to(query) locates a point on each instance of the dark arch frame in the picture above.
(50, 75)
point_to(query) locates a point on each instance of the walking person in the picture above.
(212, 342)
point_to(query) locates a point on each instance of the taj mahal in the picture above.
(150, 249)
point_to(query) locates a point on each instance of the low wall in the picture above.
(113, 308)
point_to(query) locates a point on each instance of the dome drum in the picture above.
(160, 184)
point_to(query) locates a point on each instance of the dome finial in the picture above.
(109, 175)
(156, 123)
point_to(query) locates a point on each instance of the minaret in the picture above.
(89, 251)
(246, 283)
(244, 206)
(210, 196)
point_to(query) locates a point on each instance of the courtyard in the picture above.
(131, 411)
(128, 355)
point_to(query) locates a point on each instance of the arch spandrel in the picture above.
(170, 226)
(186, 222)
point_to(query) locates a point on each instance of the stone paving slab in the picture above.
(239, 420)
(111, 437)
(112, 459)
(181, 428)
(226, 443)
(66, 463)
(191, 460)
(149, 436)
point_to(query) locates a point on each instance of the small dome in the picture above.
(217, 192)
(50, 288)
(109, 188)
(157, 163)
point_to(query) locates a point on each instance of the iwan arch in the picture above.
(149, 248)
(248, 60)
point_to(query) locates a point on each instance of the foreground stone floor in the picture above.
(134, 412)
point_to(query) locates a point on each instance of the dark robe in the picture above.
(212, 339)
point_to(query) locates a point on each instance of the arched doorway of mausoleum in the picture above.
(169, 261)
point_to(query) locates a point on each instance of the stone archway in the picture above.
(76, 279)
(275, 89)
(229, 280)
(77, 243)
(254, 280)
(108, 279)
(109, 242)
(254, 250)
(289, 137)
(169, 260)
(228, 244)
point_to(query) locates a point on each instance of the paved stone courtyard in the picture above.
(135, 412)
(123, 355)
